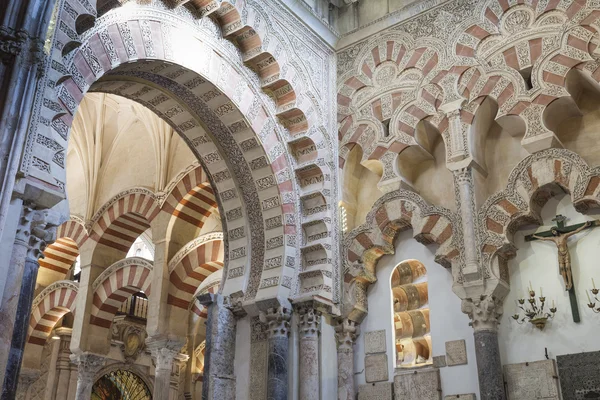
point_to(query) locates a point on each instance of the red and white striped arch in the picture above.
(115, 285)
(123, 219)
(48, 308)
(191, 267)
(60, 256)
(192, 200)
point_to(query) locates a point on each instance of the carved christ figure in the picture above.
(564, 257)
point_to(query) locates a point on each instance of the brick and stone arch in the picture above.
(531, 183)
(392, 213)
(190, 202)
(412, 329)
(119, 222)
(296, 87)
(191, 266)
(263, 173)
(115, 285)
(60, 256)
(48, 307)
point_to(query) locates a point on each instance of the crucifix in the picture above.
(559, 235)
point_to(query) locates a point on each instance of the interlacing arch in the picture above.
(48, 308)
(519, 54)
(365, 245)
(531, 183)
(115, 285)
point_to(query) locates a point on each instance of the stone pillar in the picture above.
(485, 313)
(219, 353)
(346, 333)
(178, 376)
(88, 367)
(163, 350)
(63, 364)
(309, 328)
(278, 320)
(33, 234)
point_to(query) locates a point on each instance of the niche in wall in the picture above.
(412, 330)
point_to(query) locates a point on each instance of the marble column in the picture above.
(346, 333)
(278, 320)
(164, 349)
(34, 232)
(485, 313)
(178, 376)
(219, 352)
(309, 328)
(88, 366)
(463, 180)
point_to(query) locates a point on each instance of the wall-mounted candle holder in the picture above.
(592, 303)
(534, 310)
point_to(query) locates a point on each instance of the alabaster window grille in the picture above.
(412, 330)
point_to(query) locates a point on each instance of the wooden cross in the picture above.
(559, 235)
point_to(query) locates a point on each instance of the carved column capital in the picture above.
(278, 320)
(463, 175)
(309, 320)
(88, 365)
(234, 303)
(485, 312)
(164, 350)
(36, 230)
(346, 332)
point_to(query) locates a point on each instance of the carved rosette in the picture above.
(278, 320)
(309, 322)
(485, 312)
(346, 332)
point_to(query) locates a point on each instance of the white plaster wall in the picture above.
(242, 359)
(537, 262)
(447, 321)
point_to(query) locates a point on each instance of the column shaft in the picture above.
(15, 358)
(279, 332)
(164, 349)
(219, 353)
(489, 365)
(346, 333)
(309, 327)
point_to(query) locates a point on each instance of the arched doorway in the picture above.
(121, 385)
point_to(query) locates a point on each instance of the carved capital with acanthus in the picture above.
(36, 230)
(309, 320)
(88, 366)
(164, 349)
(346, 332)
(278, 320)
(485, 312)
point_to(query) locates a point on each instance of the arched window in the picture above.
(121, 385)
(411, 315)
